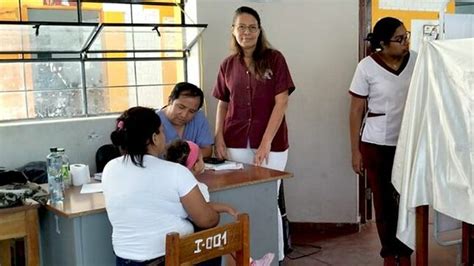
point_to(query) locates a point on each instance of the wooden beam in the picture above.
(467, 244)
(422, 235)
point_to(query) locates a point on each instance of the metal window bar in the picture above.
(98, 28)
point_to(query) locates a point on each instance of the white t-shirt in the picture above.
(143, 204)
(386, 92)
(204, 191)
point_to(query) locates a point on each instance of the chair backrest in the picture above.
(211, 243)
(104, 154)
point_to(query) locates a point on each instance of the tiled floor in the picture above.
(360, 248)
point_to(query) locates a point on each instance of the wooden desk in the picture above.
(21, 222)
(252, 190)
(79, 232)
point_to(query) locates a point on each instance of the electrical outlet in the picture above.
(93, 136)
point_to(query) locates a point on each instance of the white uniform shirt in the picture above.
(143, 205)
(386, 92)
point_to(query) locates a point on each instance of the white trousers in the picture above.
(277, 161)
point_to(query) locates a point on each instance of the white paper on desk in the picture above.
(91, 188)
(227, 165)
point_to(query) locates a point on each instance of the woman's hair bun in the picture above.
(118, 137)
(369, 37)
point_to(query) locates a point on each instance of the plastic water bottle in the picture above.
(65, 170)
(54, 162)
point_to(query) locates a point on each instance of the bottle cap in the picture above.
(53, 149)
(61, 150)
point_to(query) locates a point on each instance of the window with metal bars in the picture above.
(76, 58)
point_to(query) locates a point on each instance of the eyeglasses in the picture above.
(244, 28)
(402, 39)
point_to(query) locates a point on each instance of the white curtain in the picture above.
(435, 151)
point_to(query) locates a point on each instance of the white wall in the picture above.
(319, 41)
(22, 143)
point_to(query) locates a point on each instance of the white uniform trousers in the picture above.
(277, 161)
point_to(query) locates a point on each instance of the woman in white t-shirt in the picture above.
(381, 84)
(147, 197)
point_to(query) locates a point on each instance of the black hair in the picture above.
(248, 10)
(134, 131)
(263, 47)
(186, 89)
(383, 32)
(178, 151)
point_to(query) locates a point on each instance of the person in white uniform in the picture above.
(147, 197)
(381, 83)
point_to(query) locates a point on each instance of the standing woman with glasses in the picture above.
(381, 83)
(252, 87)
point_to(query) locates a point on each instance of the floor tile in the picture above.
(360, 248)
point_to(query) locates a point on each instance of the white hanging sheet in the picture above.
(435, 150)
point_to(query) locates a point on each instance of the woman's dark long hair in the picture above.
(383, 32)
(134, 131)
(262, 48)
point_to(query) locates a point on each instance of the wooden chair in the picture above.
(210, 243)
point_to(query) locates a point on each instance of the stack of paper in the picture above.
(227, 165)
(91, 188)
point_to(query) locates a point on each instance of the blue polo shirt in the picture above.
(197, 130)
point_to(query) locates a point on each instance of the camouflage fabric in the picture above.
(15, 194)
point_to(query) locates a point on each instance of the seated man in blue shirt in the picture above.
(183, 119)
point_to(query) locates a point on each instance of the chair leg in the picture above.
(5, 254)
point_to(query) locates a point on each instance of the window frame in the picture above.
(84, 55)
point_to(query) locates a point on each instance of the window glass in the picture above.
(110, 100)
(62, 88)
(53, 76)
(10, 111)
(41, 90)
(54, 89)
(122, 13)
(146, 83)
(153, 96)
(55, 103)
(117, 99)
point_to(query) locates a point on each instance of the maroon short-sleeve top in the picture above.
(251, 100)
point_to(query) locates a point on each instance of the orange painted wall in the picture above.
(11, 79)
(116, 74)
(172, 71)
(404, 15)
